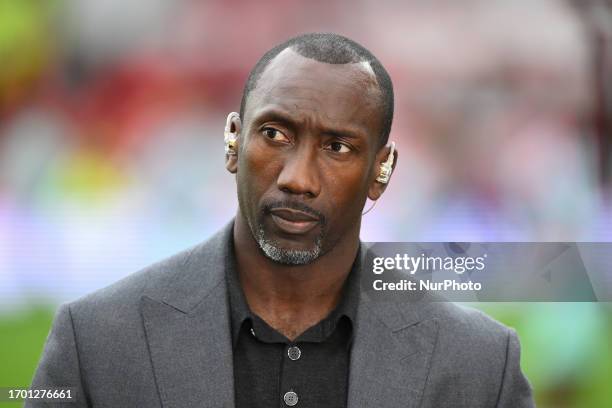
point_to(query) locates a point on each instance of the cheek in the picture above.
(347, 188)
(257, 170)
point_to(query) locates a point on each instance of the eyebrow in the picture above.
(284, 117)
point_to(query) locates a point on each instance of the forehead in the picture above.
(318, 91)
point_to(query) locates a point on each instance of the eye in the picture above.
(339, 147)
(275, 134)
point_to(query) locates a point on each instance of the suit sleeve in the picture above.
(515, 390)
(59, 364)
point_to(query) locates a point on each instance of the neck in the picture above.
(291, 298)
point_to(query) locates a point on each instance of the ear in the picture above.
(233, 126)
(376, 187)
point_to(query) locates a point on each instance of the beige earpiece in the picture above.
(228, 136)
(386, 168)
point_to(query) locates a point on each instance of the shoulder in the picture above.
(133, 286)
(476, 357)
(115, 309)
(177, 279)
(466, 320)
(470, 340)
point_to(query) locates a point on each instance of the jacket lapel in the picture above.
(391, 354)
(187, 326)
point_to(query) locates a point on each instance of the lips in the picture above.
(293, 221)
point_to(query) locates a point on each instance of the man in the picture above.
(270, 311)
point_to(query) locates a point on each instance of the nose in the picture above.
(300, 174)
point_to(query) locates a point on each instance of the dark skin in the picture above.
(310, 135)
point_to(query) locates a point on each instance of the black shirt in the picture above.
(272, 371)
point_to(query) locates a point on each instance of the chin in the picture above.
(286, 253)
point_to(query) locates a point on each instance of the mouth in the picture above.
(293, 221)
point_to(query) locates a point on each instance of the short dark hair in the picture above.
(331, 49)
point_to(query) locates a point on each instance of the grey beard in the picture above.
(287, 256)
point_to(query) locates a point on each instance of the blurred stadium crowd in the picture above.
(112, 113)
(111, 117)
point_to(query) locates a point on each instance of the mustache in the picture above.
(294, 205)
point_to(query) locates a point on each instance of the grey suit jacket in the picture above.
(161, 338)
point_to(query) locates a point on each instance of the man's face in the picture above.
(307, 150)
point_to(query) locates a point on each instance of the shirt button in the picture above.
(290, 398)
(294, 353)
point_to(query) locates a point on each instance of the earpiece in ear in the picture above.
(386, 168)
(229, 137)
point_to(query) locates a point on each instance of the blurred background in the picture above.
(111, 146)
